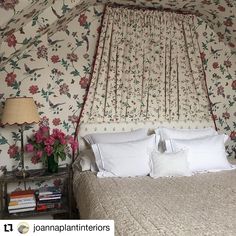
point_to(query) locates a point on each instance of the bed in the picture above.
(202, 204)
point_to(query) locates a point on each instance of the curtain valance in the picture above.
(147, 68)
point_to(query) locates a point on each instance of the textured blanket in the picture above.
(204, 204)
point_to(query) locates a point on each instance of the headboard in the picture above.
(125, 127)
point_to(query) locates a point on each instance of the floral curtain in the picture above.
(147, 68)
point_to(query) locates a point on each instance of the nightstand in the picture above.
(37, 175)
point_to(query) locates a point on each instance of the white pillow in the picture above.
(204, 154)
(169, 164)
(87, 160)
(172, 133)
(116, 137)
(124, 159)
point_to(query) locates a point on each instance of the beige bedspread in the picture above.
(204, 204)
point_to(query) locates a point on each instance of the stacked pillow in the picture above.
(119, 154)
(205, 148)
(134, 153)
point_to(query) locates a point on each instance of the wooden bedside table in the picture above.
(37, 175)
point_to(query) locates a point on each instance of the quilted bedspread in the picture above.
(204, 204)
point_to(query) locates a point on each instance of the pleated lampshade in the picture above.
(19, 111)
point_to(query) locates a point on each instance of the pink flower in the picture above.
(42, 52)
(13, 150)
(35, 160)
(56, 121)
(39, 154)
(74, 145)
(221, 8)
(33, 89)
(49, 150)
(82, 19)
(215, 65)
(64, 89)
(10, 79)
(84, 82)
(49, 141)
(233, 85)
(55, 59)
(8, 4)
(38, 137)
(11, 40)
(29, 147)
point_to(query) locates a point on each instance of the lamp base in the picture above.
(22, 174)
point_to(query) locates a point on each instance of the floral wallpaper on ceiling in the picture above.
(56, 72)
(220, 15)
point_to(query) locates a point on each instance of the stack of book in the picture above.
(49, 198)
(21, 201)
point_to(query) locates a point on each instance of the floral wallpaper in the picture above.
(55, 71)
(220, 68)
(50, 57)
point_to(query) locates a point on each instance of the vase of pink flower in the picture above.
(50, 148)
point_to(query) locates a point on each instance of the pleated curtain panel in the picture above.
(147, 68)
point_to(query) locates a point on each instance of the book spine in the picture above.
(49, 193)
(21, 196)
(25, 199)
(50, 201)
(48, 198)
(22, 206)
(15, 203)
(17, 193)
(22, 210)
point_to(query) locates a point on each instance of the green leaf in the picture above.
(78, 43)
(26, 41)
(75, 73)
(16, 136)
(65, 8)
(3, 140)
(65, 64)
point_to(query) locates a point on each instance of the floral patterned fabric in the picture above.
(148, 68)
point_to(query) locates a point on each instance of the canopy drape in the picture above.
(147, 68)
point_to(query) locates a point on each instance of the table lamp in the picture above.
(20, 111)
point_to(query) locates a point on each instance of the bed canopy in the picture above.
(147, 69)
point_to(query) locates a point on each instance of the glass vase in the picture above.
(52, 164)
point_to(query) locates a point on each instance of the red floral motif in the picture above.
(11, 40)
(231, 45)
(82, 19)
(56, 121)
(233, 135)
(215, 65)
(221, 8)
(33, 89)
(228, 22)
(72, 57)
(55, 59)
(203, 55)
(42, 52)
(64, 89)
(84, 82)
(10, 79)
(233, 85)
(8, 4)
(13, 150)
(228, 63)
(226, 115)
